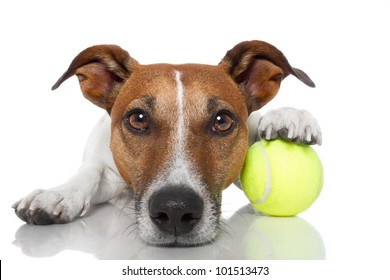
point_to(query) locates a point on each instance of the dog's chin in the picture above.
(204, 232)
(189, 240)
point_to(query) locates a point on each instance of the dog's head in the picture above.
(179, 132)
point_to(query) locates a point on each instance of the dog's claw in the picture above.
(16, 204)
(308, 134)
(57, 211)
(268, 133)
(85, 209)
(319, 138)
(290, 131)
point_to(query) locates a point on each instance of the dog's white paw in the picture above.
(58, 205)
(290, 124)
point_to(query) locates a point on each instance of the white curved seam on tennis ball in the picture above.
(267, 189)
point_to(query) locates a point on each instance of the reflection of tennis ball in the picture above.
(281, 178)
(283, 238)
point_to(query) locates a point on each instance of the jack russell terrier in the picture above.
(176, 135)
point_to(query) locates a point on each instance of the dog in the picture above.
(175, 135)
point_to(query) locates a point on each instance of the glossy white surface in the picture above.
(342, 45)
(109, 233)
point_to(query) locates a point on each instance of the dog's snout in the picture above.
(175, 209)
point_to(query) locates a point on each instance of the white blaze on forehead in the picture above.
(180, 105)
(179, 170)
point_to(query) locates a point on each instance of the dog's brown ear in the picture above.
(101, 71)
(258, 69)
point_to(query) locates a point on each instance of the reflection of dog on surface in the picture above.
(106, 235)
(176, 135)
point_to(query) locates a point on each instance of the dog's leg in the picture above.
(63, 203)
(291, 124)
(96, 181)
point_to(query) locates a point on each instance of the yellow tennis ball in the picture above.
(281, 178)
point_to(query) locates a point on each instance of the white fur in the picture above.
(180, 109)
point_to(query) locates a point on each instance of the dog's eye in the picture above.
(223, 122)
(138, 120)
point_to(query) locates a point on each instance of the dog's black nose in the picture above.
(175, 209)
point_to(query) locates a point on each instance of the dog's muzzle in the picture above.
(175, 210)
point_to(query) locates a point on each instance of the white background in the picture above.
(342, 45)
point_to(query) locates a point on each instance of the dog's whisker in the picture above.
(222, 225)
(130, 229)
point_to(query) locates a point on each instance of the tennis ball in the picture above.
(281, 178)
